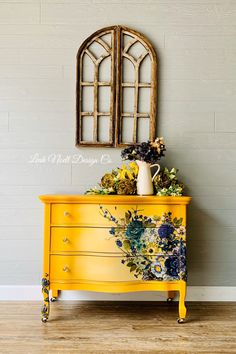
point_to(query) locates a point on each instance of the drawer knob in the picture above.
(66, 269)
(66, 213)
(66, 240)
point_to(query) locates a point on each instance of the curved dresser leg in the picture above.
(45, 291)
(182, 307)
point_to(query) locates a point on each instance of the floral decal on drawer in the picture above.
(154, 247)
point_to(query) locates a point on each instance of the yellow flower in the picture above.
(130, 175)
(125, 173)
(157, 268)
(134, 168)
(151, 249)
(122, 172)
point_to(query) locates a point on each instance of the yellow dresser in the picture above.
(114, 244)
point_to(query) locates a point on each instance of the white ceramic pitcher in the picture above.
(145, 179)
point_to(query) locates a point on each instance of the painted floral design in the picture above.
(154, 247)
(45, 291)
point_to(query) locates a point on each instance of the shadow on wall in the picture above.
(210, 251)
(198, 253)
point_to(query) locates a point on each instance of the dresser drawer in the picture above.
(88, 268)
(146, 241)
(84, 239)
(115, 268)
(93, 214)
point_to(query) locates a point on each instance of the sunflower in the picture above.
(151, 248)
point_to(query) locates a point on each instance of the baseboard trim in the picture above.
(194, 293)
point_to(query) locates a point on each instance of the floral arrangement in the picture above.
(148, 151)
(153, 247)
(166, 183)
(121, 180)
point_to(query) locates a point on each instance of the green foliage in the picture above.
(166, 183)
(126, 245)
(177, 222)
(101, 191)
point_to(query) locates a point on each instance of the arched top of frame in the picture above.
(139, 37)
(124, 29)
(111, 47)
(93, 37)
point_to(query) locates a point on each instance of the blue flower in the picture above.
(182, 248)
(133, 233)
(45, 282)
(165, 230)
(182, 264)
(167, 245)
(156, 269)
(172, 266)
(112, 231)
(119, 243)
(133, 247)
(135, 230)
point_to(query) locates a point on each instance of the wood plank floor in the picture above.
(117, 327)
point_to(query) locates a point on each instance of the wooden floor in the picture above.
(117, 327)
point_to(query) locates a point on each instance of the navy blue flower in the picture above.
(165, 230)
(148, 275)
(133, 247)
(119, 243)
(182, 248)
(45, 282)
(168, 245)
(172, 266)
(182, 264)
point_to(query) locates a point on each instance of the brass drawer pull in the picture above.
(66, 269)
(66, 213)
(66, 240)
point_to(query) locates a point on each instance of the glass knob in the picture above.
(66, 240)
(66, 269)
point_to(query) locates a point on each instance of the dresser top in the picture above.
(113, 199)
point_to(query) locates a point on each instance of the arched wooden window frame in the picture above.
(116, 84)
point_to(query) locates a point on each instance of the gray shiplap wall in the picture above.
(196, 45)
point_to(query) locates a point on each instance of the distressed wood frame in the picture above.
(116, 84)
